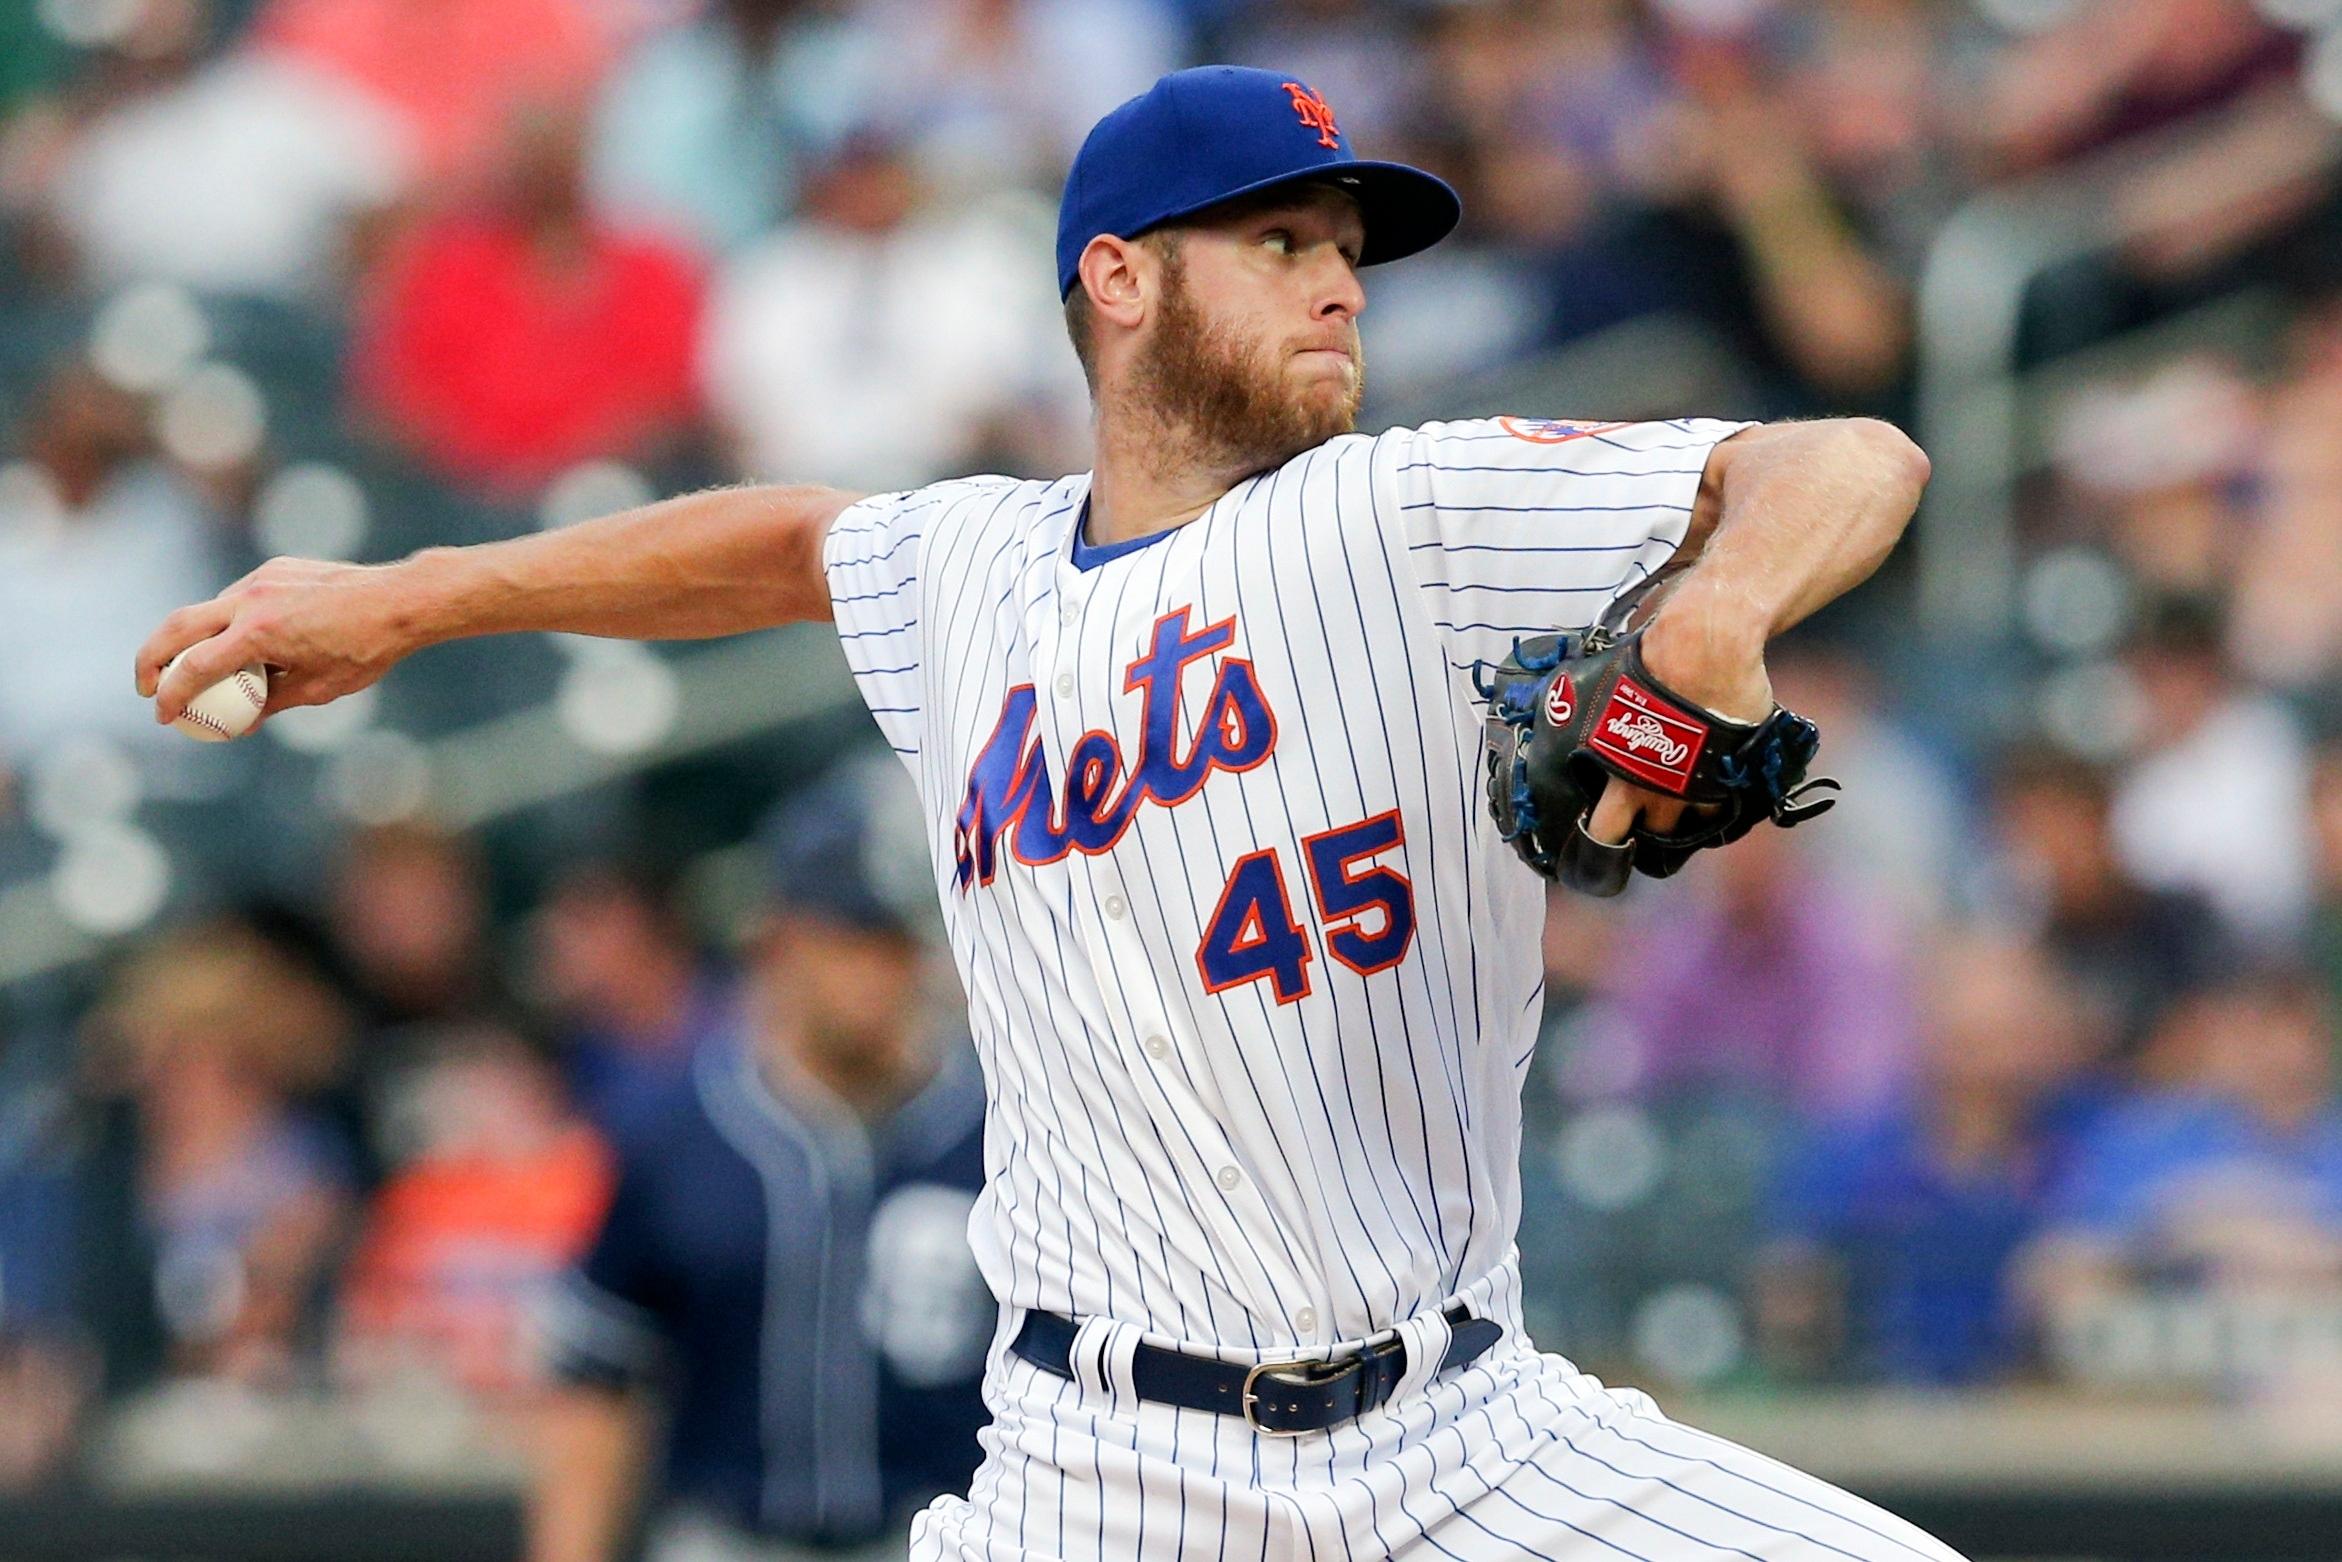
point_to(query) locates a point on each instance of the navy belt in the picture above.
(1280, 1398)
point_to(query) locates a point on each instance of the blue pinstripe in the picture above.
(1439, 923)
(1549, 471)
(1544, 547)
(1535, 509)
(1292, 831)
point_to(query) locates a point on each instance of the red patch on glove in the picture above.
(1648, 738)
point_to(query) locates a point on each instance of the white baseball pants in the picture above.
(1519, 1455)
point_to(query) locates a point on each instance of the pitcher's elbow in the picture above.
(1896, 454)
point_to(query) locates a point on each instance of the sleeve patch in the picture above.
(1553, 431)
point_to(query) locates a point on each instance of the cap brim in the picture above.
(1405, 210)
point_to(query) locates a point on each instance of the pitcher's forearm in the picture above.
(715, 563)
(591, 1447)
(1804, 512)
(710, 563)
(1809, 511)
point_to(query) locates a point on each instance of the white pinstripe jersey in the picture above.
(1253, 979)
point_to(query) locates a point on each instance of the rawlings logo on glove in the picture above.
(1560, 701)
(1643, 732)
(1564, 718)
(1637, 736)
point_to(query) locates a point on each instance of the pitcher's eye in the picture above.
(1279, 239)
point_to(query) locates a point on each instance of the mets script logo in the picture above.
(1011, 793)
(1316, 114)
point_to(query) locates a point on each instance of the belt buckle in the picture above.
(1251, 1396)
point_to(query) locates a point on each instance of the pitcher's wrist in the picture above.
(433, 592)
(1708, 648)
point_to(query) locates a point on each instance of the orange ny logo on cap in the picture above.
(1315, 112)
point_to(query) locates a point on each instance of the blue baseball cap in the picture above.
(1199, 137)
(849, 848)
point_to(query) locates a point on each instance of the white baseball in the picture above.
(228, 708)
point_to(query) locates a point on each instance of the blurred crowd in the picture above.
(2020, 1067)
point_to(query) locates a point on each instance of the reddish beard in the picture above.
(1230, 396)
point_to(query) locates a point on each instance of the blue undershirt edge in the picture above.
(1089, 555)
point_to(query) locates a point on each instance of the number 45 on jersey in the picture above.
(1365, 912)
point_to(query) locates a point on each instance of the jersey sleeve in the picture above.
(1522, 526)
(605, 1324)
(871, 558)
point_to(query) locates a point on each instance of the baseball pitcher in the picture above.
(1239, 795)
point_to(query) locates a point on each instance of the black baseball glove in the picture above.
(1567, 713)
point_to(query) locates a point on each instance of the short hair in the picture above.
(1081, 323)
(2042, 765)
(225, 988)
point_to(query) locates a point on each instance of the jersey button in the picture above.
(1068, 610)
(1115, 908)
(1229, 1177)
(1065, 686)
(1157, 1047)
(1306, 1320)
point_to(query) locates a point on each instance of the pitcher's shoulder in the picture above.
(945, 494)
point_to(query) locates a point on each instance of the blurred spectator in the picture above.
(1580, 78)
(46, 1374)
(33, 59)
(2226, 1183)
(1535, 120)
(990, 93)
(210, 1209)
(2114, 69)
(1353, 53)
(786, 1258)
(44, 1384)
(1896, 1234)
(2325, 943)
(1757, 973)
(2286, 627)
(1757, 242)
(2119, 72)
(133, 50)
(1615, 172)
(1900, 826)
(2218, 801)
(2131, 949)
(235, 175)
(1872, 84)
(508, 342)
(615, 964)
(452, 72)
(2159, 466)
(410, 924)
(701, 129)
(874, 343)
(98, 541)
(1475, 304)
(499, 1191)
